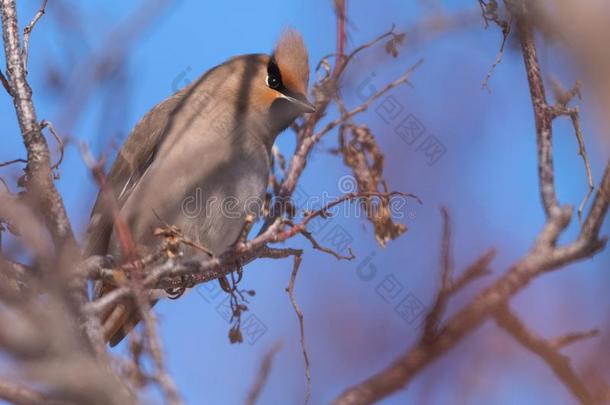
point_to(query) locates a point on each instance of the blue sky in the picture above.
(486, 177)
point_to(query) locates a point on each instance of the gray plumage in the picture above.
(200, 160)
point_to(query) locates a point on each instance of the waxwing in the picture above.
(200, 161)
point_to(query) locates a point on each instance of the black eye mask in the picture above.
(274, 80)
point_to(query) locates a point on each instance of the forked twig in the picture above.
(559, 363)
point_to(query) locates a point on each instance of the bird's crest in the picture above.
(291, 57)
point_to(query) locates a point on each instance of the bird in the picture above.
(199, 160)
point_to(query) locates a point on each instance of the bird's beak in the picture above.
(304, 104)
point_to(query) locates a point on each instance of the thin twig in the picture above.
(363, 107)
(449, 286)
(566, 340)
(583, 153)
(161, 375)
(270, 253)
(559, 363)
(19, 394)
(297, 310)
(542, 115)
(263, 375)
(4, 183)
(317, 246)
(12, 162)
(476, 270)
(446, 269)
(6, 84)
(446, 252)
(60, 145)
(28, 30)
(491, 14)
(561, 109)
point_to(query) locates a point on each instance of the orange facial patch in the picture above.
(265, 97)
(291, 82)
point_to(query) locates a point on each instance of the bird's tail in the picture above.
(120, 321)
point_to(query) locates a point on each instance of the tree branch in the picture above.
(542, 114)
(28, 30)
(559, 363)
(299, 313)
(262, 376)
(39, 179)
(20, 394)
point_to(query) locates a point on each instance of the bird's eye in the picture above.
(273, 81)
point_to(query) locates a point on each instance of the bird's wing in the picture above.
(128, 168)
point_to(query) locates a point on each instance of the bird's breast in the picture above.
(203, 181)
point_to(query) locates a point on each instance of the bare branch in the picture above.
(589, 233)
(548, 352)
(39, 180)
(561, 109)
(262, 376)
(478, 269)
(20, 394)
(12, 162)
(542, 114)
(321, 248)
(446, 253)
(161, 376)
(12, 277)
(60, 144)
(490, 14)
(270, 253)
(583, 153)
(566, 340)
(363, 107)
(450, 287)
(28, 30)
(6, 84)
(297, 310)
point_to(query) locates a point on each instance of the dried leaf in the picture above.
(362, 154)
(392, 45)
(235, 335)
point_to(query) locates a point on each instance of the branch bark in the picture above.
(19, 394)
(559, 363)
(39, 178)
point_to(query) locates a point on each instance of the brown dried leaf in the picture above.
(392, 45)
(235, 335)
(361, 153)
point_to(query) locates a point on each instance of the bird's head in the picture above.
(288, 71)
(283, 90)
(264, 91)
